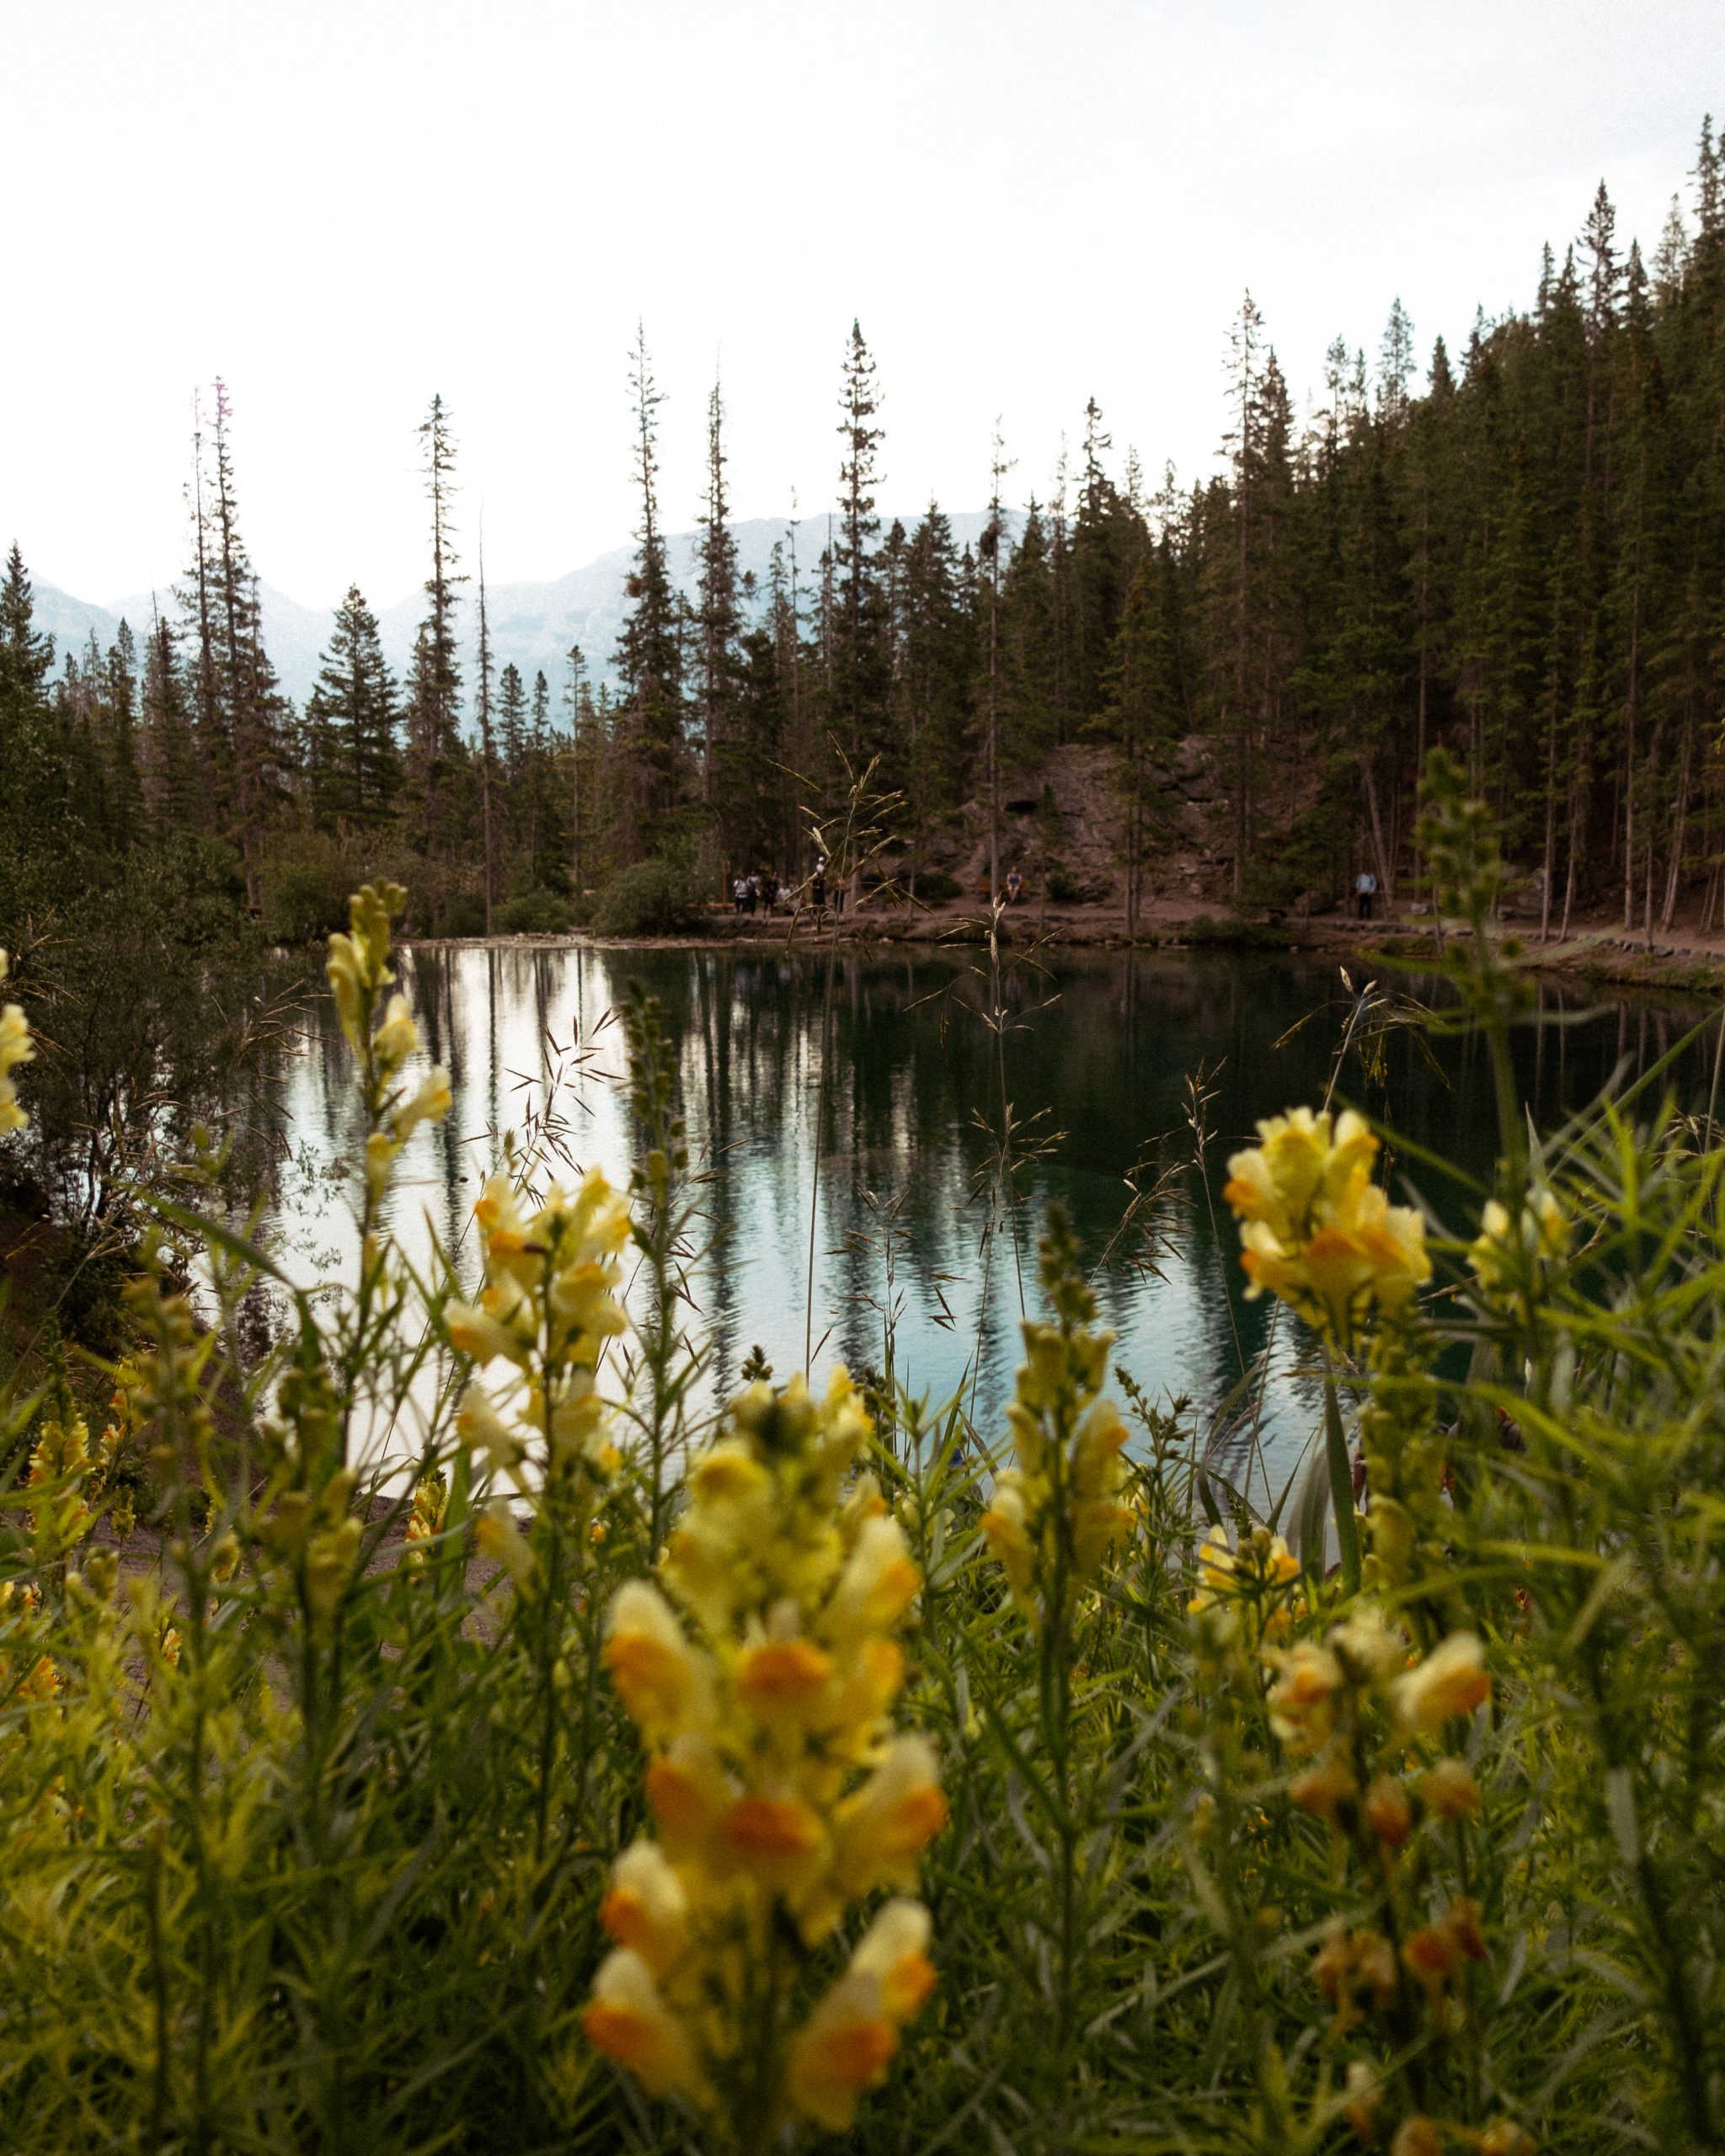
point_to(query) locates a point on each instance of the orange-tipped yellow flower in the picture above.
(549, 1304)
(1060, 1509)
(1314, 1229)
(647, 1908)
(853, 2036)
(16, 1047)
(629, 2020)
(1448, 1789)
(1452, 1680)
(762, 1680)
(662, 1680)
(1301, 1700)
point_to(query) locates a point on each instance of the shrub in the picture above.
(462, 913)
(936, 887)
(305, 890)
(649, 898)
(534, 913)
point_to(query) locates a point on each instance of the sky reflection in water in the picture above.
(912, 1067)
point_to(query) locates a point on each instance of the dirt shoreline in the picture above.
(1678, 959)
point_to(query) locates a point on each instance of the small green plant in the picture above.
(650, 897)
(534, 913)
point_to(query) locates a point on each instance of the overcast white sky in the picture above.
(342, 207)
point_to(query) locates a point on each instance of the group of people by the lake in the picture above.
(763, 890)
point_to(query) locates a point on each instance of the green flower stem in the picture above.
(1341, 1480)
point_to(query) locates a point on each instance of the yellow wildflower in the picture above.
(549, 1306)
(1364, 2092)
(1262, 1563)
(629, 2020)
(663, 1681)
(1314, 1228)
(1504, 2138)
(1436, 1953)
(1452, 1680)
(1388, 1811)
(761, 1673)
(647, 1908)
(852, 2036)
(16, 1047)
(1301, 1700)
(1324, 1789)
(1371, 1649)
(1059, 1510)
(1506, 1253)
(1448, 1790)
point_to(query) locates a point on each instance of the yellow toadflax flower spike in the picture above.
(761, 1679)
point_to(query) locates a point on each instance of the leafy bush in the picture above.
(462, 913)
(305, 890)
(935, 886)
(650, 898)
(544, 1795)
(534, 913)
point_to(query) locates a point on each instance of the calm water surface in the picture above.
(1096, 1054)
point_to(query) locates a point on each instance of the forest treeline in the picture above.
(1521, 558)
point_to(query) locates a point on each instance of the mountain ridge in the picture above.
(531, 623)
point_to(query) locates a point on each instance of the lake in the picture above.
(1093, 1056)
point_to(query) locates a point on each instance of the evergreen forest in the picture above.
(1514, 551)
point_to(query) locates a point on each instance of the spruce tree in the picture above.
(855, 615)
(433, 680)
(718, 623)
(350, 718)
(650, 652)
(250, 711)
(172, 784)
(487, 754)
(26, 654)
(129, 819)
(31, 786)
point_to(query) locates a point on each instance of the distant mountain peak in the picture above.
(533, 625)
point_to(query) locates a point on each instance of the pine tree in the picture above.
(26, 655)
(1028, 704)
(512, 782)
(582, 760)
(1146, 709)
(171, 785)
(32, 806)
(649, 653)
(1395, 366)
(350, 718)
(486, 757)
(253, 714)
(993, 546)
(855, 615)
(1106, 540)
(129, 824)
(433, 680)
(1246, 351)
(719, 623)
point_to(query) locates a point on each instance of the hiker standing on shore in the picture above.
(1365, 889)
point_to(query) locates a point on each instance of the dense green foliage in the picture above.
(1525, 562)
(309, 1786)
